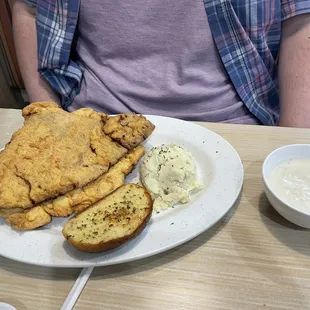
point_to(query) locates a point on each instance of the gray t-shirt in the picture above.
(154, 57)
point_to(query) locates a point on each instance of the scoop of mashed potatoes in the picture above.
(169, 174)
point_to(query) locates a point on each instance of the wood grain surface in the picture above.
(252, 259)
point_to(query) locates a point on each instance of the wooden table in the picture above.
(252, 259)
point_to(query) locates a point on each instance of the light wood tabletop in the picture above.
(252, 259)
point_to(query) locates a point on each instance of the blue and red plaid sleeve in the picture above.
(56, 24)
(291, 8)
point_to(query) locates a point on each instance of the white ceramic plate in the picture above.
(220, 171)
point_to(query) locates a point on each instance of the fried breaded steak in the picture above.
(77, 200)
(56, 152)
(81, 198)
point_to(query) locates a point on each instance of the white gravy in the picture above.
(290, 181)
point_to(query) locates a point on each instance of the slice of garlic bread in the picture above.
(112, 221)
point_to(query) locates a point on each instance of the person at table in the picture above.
(218, 61)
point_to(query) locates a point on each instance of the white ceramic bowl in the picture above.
(298, 215)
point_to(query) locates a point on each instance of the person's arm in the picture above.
(25, 38)
(294, 72)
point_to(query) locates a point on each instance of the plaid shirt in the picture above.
(246, 32)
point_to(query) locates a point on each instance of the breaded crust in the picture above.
(128, 129)
(78, 200)
(57, 152)
(29, 219)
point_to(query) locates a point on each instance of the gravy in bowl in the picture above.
(290, 182)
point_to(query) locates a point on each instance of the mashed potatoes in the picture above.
(169, 174)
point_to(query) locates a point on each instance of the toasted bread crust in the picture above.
(102, 246)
